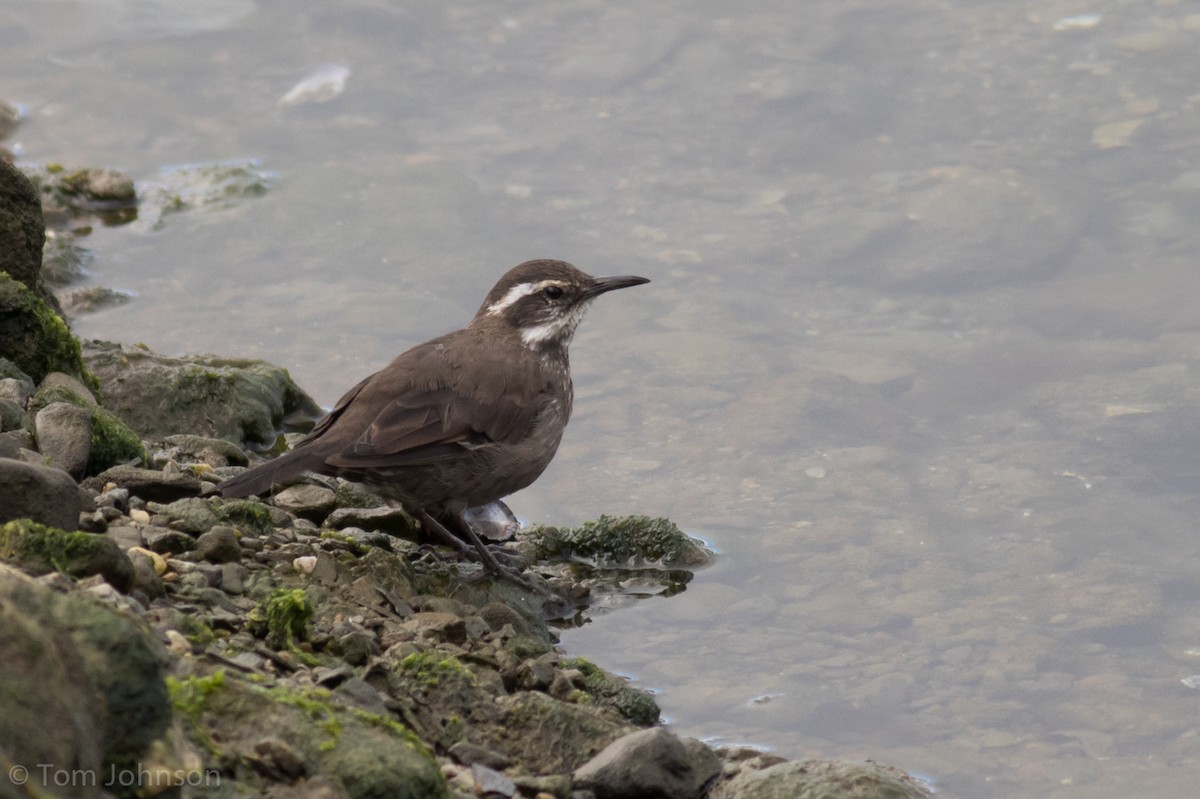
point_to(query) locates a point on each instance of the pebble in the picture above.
(166, 541)
(312, 502)
(218, 545)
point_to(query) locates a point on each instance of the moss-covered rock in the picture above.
(609, 690)
(238, 400)
(816, 779)
(368, 754)
(556, 736)
(83, 689)
(113, 442)
(34, 337)
(22, 229)
(621, 541)
(41, 549)
(91, 189)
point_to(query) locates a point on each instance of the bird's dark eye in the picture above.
(552, 292)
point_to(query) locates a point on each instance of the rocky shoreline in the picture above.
(160, 640)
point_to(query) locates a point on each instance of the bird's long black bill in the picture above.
(604, 284)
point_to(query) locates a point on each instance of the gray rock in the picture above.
(489, 782)
(191, 515)
(469, 754)
(64, 435)
(387, 520)
(165, 541)
(852, 780)
(13, 442)
(218, 545)
(235, 399)
(42, 493)
(147, 483)
(216, 452)
(93, 522)
(115, 498)
(309, 501)
(16, 387)
(126, 536)
(12, 414)
(62, 382)
(650, 764)
(233, 578)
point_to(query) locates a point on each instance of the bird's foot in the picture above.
(482, 553)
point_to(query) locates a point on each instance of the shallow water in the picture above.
(919, 356)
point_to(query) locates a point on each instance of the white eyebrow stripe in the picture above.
(517, 292)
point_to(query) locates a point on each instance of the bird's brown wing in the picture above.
(326, 421)
(431, 426)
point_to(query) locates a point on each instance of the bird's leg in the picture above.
(482, 552)
(438, 531)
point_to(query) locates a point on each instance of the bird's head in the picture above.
(544, 300)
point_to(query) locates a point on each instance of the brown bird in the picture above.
(464, 419)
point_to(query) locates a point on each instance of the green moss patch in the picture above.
(283, 617)
(608, 690)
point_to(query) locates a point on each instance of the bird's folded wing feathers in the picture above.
(327, 421)
(434, 425)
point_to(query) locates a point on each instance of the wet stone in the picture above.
(469, 754)
(311, 502)
(650, 762)
(218, 545)
(387, 520)
(191, 515)
(233, 578)
(148, 484)
(126, 537)
(92, 522)
(443, 626)
(166, 541)
(216, 452)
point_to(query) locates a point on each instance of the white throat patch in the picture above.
(561, 328)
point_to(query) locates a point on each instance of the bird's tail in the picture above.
(282, 469)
